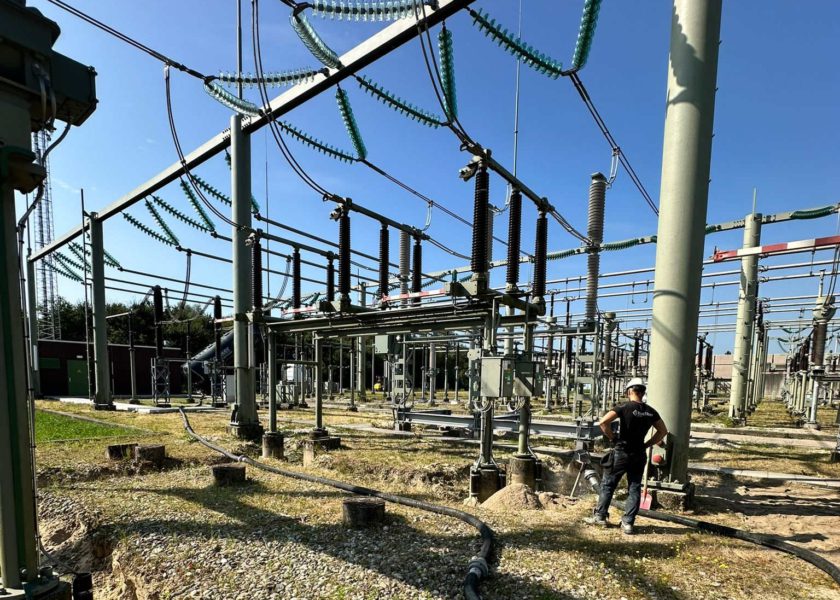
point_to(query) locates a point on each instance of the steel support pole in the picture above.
(746, 319)
(32, 310)
(271, 358)
(361, 361)
(18, 556)
(686, 158)
(244, 423)
(432, 372)
(102, 399)
(319, 387)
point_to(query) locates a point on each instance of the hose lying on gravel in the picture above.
(762, 539)
(478, 568)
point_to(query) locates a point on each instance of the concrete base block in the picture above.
(675, 501)
(812, 426)
(119, 451)
(453, 433)
(403, 426)
(106, 407)
(363, 512)
(485, 482)
(835, 456)
(314, 447)
(153, 454)
(228, 474)
(272, 445)
(246, 431)
(523, 469)
(353, 408)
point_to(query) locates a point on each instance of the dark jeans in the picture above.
(623, 462)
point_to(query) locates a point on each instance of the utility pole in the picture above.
(686, 159)
(26, 39)
(746, 320)
(244, 422)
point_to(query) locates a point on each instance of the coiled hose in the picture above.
(514, 238)
(478, 567)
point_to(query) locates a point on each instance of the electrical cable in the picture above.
(128, 40)
(478, 568)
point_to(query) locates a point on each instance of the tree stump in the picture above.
(153, 454)
(119, 451)
(228, 474)
(363, 512)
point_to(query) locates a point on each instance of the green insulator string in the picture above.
(350, 123)
(386, 10)
(208, 189)
(313, 41)
(69, 262)
(270, 79)
(561, 254)
(178, 214)
(586, 34)
(447, 73)
(255, 206)
(111, 261)
(162, 224)
(62, 269)
(194, 202)
(227, 98)
(315, 143)
(398, 104)
(76, 249)
(814, 213)
(515, 46)
(147, 231)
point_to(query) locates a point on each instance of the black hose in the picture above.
(514, 238)
(478, 568)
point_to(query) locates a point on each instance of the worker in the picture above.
(629, 452)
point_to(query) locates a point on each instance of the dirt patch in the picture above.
(71, 536)
(513, 498)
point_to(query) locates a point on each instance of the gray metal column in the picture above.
(318, 375)
(244, 421)
(102, 399)
(746, 319)
(361, 355)
(32, 314)
(17, 497)
(271, 359)
(686, 157)
(432, 372)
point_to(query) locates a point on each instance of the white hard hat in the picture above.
(634, 382)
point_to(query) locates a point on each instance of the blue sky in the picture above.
(776, 127)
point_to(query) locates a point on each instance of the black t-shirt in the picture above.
(635, 420)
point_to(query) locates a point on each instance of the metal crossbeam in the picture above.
(361, 56)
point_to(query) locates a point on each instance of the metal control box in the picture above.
(529, 379)
(384, 344)
(497, 376)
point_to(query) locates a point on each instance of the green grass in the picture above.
(51, 426)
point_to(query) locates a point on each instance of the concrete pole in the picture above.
(746, 319)
(271, 359)
(32, 310)
(244, 423)
(102, 400)
(686, 158)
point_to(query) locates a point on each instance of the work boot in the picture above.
(627, 528)
(596, 520)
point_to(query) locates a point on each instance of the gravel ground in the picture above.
(171, 534)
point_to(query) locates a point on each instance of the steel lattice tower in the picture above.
(49, 326)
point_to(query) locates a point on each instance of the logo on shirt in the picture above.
(641, 413)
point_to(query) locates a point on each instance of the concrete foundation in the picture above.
(523, 469)
(675, 501)
(313, 447)
(119, 451)
(153, 454)
(246, 431)
(228, 474)
(272, 445)
(485, 481)
(363, 512)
